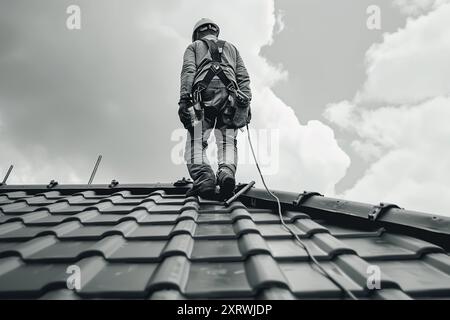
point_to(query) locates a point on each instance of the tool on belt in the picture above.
(237, 111)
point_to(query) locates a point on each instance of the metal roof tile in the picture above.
(151, 232)
(15, 195)
(61, 251)
(138, 251)
(305, 281)
(378, 248)
(215, 231)
(440, 261)
(55, 195)
(253, 243)
(130, 280)
(216, 250)
(8, 264)
(5, 200)
(9, 249)
(266, 218)
(125, 209)
(180, 244)
(157, 218)
(217, 279)
(185, 227)
(86, 232)
(149, 243)
(166, 294)
(214, 218)
(278, 231)
(263, 271)
(172, 273)
(17, 231)
(417, 278)
(16, 207)
(342, 231)
(331, 245)
(29, 248)
(166, 208)
(9, 218)
(289, 249)
(47, 219)
(60, 294)
(276, 294)
(243, 226)
(310, 227)
(359, 269)
(28, 280)
(93, 217)
(391, 294)
(39, 201)
(189, 214)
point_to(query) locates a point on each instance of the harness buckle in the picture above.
(216, 67)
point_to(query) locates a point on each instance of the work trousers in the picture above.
(214, 100)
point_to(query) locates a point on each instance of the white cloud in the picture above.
(407, 140)
(280, 25)
(411, 64)
(341, 114)
(417, 7)
(309, 156)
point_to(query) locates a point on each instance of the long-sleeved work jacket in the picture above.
(197, 55)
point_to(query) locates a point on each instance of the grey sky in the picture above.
(82, 93)
(111, 88)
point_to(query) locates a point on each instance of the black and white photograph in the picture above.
(224, 159)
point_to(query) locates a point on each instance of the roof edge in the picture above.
(310, 202)
(94, 187)
(435, 226)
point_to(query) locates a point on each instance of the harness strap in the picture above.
(215, 49)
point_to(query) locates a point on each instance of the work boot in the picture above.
(206, 190)
(227, 183)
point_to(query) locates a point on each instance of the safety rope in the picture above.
(299, 241)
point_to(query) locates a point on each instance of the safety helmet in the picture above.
(206, 24)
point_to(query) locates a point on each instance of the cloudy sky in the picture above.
(338, 108)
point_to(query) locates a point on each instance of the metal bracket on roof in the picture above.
(183, 182)
(243, 190)
(113, 183)
(302, 197)
(52, 184)
(380, 209)
(95, 169)
(7, 175)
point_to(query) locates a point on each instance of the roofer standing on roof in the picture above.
(215, 95)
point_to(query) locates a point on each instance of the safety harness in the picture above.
(232, 115)
(215, 49)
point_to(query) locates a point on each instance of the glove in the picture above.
(183, 112)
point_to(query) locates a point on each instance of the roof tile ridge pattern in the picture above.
(167, 272)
